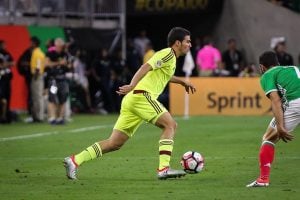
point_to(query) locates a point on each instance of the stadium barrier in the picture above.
(220, 96)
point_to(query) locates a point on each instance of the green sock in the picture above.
(89, 153)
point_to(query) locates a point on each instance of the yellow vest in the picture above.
(37, 61)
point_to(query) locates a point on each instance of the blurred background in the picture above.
(104, 42)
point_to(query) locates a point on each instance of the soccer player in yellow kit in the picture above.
(140, 104)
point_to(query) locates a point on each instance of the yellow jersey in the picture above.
(163, 65)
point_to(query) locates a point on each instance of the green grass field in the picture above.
(31, 161)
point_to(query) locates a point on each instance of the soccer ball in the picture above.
(192, 162)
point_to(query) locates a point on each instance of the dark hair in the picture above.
(268, 59)
(177, 33)
(1, 61)
(35, 40)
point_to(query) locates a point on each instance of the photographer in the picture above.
(5, 77)
(58, 89)
(5, 85)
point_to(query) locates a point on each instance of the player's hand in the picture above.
(124, 89)
(284, 135)
(189, 87)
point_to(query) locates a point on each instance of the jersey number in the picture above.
(297, 71)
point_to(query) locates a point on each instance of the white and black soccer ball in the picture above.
(192, 162)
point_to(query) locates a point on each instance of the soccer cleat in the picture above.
(170, 173)
(259, 183)
(71, 167)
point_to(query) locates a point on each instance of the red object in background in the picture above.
(17, 39)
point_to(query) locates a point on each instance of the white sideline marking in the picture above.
(90, 128)
(78, 130)
(21, 137)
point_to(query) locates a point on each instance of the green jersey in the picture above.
(163, 65)
(285, 80)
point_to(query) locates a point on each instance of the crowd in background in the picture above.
(66, 80)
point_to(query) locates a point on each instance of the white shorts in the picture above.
(291, 116)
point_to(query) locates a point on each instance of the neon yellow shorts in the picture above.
(135, 109)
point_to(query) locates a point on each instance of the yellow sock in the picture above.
(165, 151)
(89, 153)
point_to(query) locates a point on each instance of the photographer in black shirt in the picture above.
(5, 77)
(58, 89)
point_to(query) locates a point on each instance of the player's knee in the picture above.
(172, 125)
(175, 125)
(114, 146)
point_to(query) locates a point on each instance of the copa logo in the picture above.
(158, 64)
(240, 101)
(166, 5)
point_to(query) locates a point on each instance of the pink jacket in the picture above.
(208, 57)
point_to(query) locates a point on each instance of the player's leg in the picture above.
(270, 138)
(149, 109)
(153, 111)
(168, 126)
(266, 156)
(113, 143)
(166, 142)
(124, 128)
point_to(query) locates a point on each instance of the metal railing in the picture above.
(88, 10)
(68, 13)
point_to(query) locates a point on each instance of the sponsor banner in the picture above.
(221, 96)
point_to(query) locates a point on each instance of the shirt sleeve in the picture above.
(156, 61)
(268, 83)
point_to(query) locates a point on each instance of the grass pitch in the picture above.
(31, 161)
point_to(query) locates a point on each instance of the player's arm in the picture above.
(187, 85)
(144, 69)
(278, 114)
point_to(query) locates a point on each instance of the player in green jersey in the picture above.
(140, 104)
(281, 85)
